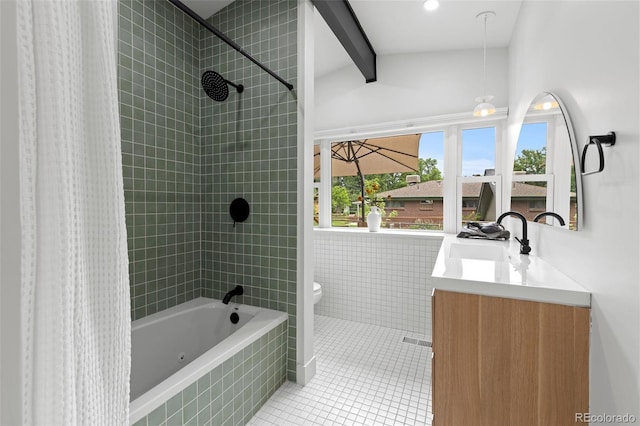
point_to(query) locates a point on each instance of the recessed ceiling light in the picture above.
(431, 5)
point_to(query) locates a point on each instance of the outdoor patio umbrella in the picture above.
(393, 154)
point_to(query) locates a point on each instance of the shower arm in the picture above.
(227, 40)
(238, 87)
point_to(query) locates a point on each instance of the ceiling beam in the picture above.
(345, 25)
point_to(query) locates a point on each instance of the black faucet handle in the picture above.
(524, 246)
(239, 291)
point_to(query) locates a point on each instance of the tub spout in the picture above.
(237, 291)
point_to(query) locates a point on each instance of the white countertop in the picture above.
(495, 268)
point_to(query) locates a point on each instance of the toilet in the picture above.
(317, 292)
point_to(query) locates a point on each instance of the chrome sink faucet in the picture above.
(524, 242)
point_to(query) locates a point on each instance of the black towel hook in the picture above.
(607, 140)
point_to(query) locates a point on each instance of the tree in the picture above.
(531, 161)
(427, 170)
(350, 183)
(339, 198)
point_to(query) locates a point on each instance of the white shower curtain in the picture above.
(75, 298)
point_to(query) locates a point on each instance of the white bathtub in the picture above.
(173, 348)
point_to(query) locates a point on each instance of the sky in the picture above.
(478, 146)
(431, 146)
(478, 149)
(532, 136)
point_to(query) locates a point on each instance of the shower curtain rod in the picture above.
(227, 40)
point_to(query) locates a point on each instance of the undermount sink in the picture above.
(487, 251)
(496, 268)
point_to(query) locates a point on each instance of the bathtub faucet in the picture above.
(237, 291)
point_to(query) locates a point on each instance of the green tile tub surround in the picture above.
(158, 66)
(249, 149)
(231, 393)
(186, 156)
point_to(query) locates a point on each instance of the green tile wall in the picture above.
(231, 393)
(158, 67)
(186, 156)
(249, 150)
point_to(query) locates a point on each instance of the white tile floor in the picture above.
(365, 375)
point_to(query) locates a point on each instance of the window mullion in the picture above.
(452, 167)
(324, 196)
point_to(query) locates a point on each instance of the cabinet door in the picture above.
(505, 362)
(456, 386)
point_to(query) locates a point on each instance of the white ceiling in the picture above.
(403, 26)
(206, 8)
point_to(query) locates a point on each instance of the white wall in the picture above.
(588, 53)
(305, 361)
(10, 344)
(379, 278)
(410, 86)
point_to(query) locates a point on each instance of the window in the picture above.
(478, 151)
(408, 170)
(394, 204)
(479, 189)
(426, 205)
(537, 205)
(532, 188)
(531, 152)
(316, 185)
(316, 207)
(418, 196)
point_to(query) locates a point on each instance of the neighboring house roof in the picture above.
(430, 189)
(433, 189)
(521, 189)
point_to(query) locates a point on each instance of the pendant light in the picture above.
(431, 5)
(484, 107)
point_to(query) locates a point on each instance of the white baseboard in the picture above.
(305, 373)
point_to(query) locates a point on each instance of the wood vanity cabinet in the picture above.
(499, 361)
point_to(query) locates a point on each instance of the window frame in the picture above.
(550, 159)
(452, 126)
(533, 208)
(495, 179)
(426, 205)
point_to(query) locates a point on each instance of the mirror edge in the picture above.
(576, 158)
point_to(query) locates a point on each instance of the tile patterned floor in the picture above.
(365, 375)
